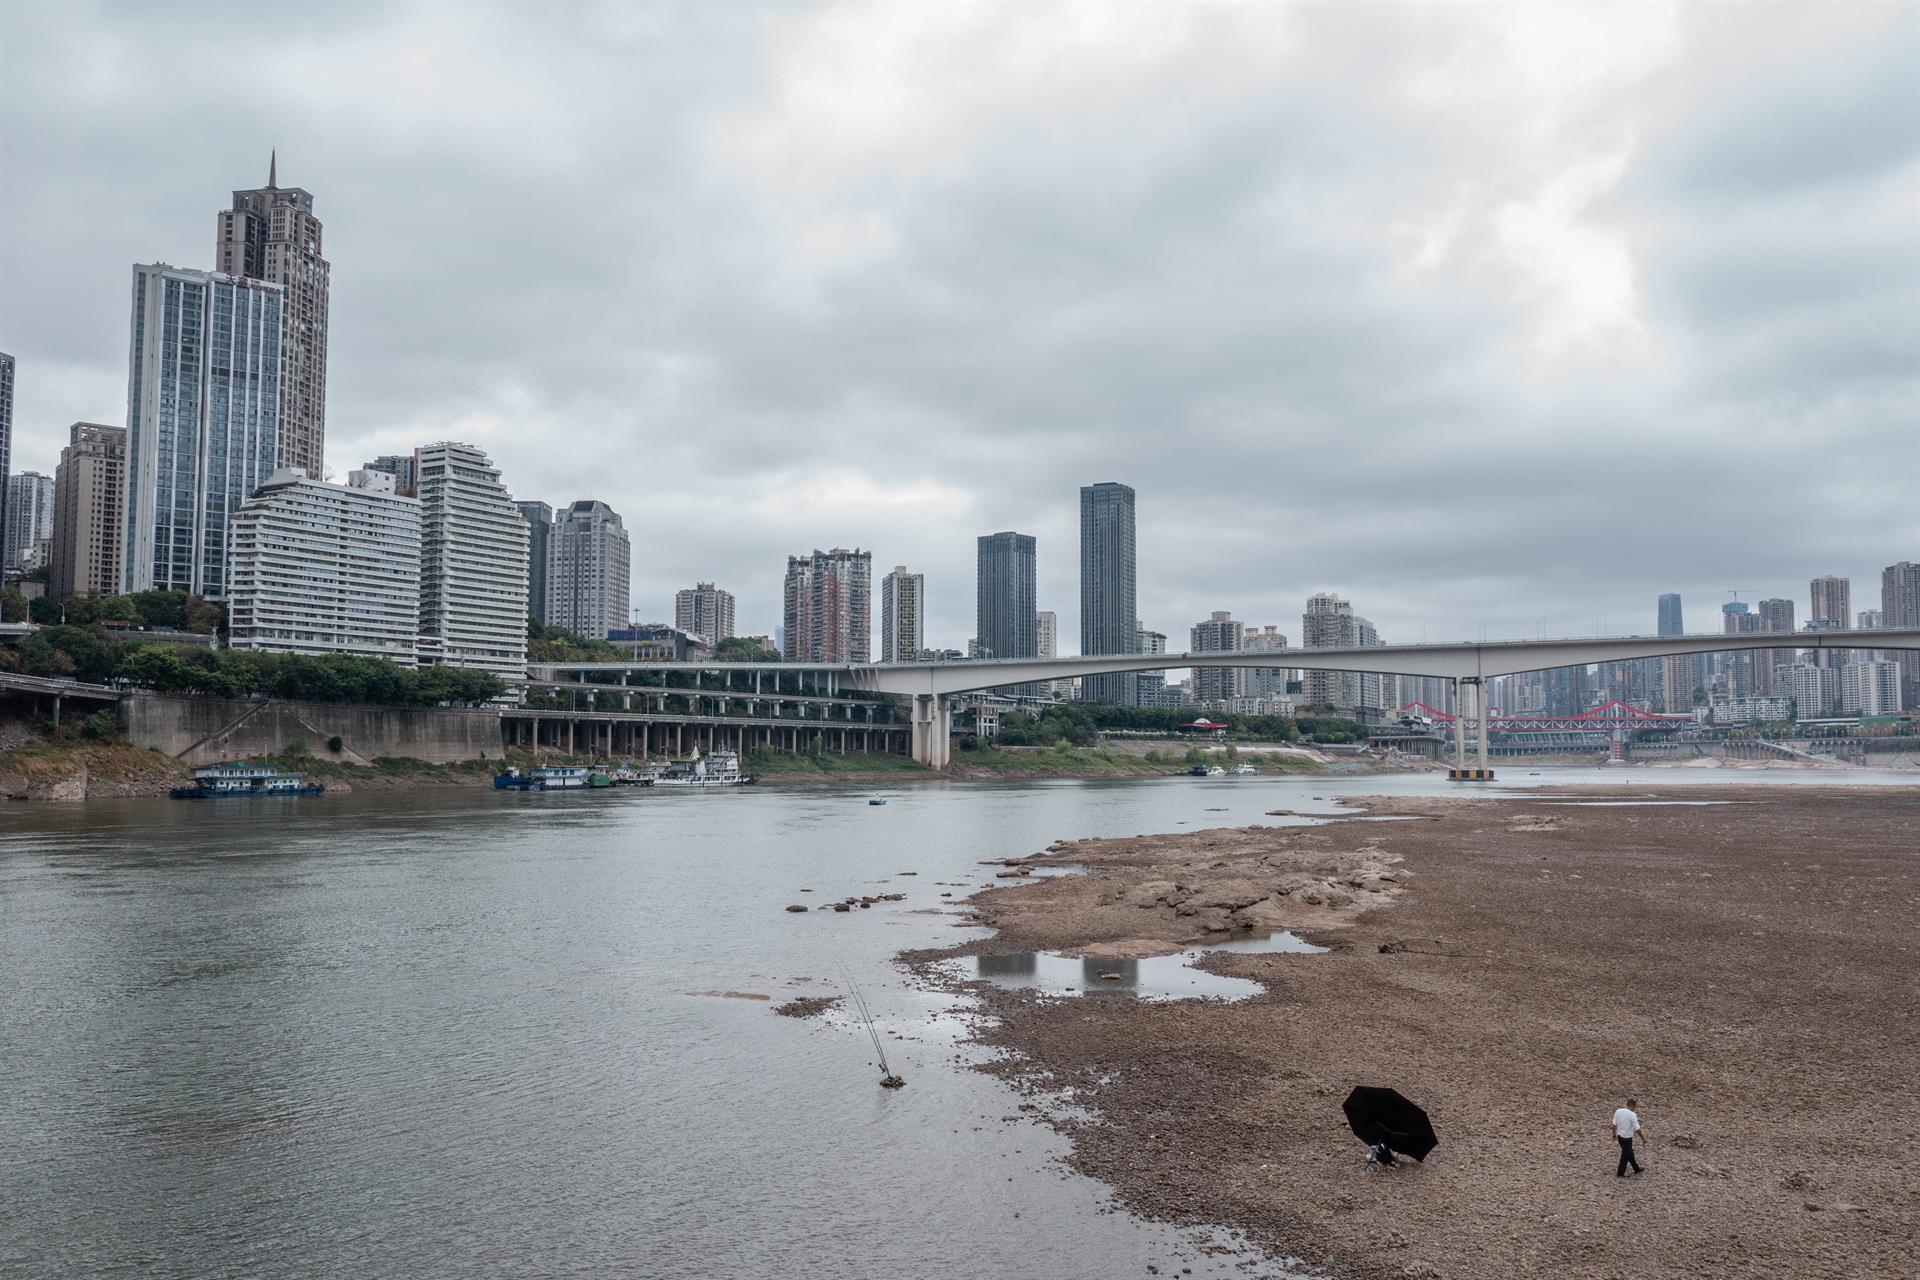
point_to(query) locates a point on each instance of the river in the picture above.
(461, 1033)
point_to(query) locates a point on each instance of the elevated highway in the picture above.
(929, 685)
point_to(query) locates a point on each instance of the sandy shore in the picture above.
(1749, 970)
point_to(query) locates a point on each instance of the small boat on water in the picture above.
(721, 769)
(628, 776)
(876, 799)
(238, 778)
(1244, 770)
(556, 777)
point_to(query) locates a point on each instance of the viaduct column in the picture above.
(932, 730)
(1469, 692)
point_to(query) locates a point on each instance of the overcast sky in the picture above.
(1493, 319)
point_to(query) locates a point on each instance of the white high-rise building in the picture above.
(903, 615)
(1266, 683)
(1812, 687)
(589, 570)
(1218, 634)
(1330, 623)
(326, 568)
(203, 421)
(1870, 688)
(473, 564)
(1046, 641)
(29, 514)
(706, 611)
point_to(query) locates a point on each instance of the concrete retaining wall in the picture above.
(206, 730)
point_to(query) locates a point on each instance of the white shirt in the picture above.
(1625, 1123)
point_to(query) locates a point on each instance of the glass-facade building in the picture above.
(1004, 599)
(1109, 618)
(203, 410)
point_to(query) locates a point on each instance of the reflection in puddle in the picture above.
(1154, 978)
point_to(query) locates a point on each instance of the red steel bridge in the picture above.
(1608, 718)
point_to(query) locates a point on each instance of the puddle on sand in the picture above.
(1154, 978)
(1632, 804)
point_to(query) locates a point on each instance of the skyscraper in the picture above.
(203, 413)
(1004, 596)
(1813, 688)
(1670, 616)
(539, 518)
(1870, 688)
(29, 517)
(1679, 673)
(903, 615)
(1737, 619)
(1331, 623)
(828, 607)
(589, 570)
(1775, 615)
(1109, 617)
(473, 564)
(1046, 634)
(1832, 607)
(1046, 644)
(270, 233)
(704, 610)
(322, 568)
(1832, 600)
(88, 524)
(6, 429)
(1218, 634)
(1265, 682)
(1900, 607)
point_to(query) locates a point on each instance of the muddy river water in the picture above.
(460, 1033)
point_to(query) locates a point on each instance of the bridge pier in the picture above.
(1470, 693)
(932, 730)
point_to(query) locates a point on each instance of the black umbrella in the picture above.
(1382, 1115)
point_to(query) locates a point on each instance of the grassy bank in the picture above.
(774, 766)
(71, 770)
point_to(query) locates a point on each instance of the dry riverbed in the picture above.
(1748, 970)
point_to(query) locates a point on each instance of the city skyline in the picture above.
(1540, 270)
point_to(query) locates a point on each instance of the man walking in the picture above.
(1626, 1126)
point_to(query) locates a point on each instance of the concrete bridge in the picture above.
(928, 686)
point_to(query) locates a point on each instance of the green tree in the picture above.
(13, 605)
(741, 649)
(101, 726)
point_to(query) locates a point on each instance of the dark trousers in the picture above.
(1626, 1157)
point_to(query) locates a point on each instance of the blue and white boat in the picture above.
(239, 778)
(556, 777)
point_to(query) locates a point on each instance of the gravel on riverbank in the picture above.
(1519, 966)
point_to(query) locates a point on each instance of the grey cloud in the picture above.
(542, 245)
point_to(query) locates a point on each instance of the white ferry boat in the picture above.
(558, 777)
(721, 769)
(238, 778)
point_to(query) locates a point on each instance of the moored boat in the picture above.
(555, 777)
(721, 769)
(239, 778)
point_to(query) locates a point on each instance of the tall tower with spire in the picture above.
(270, 233)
